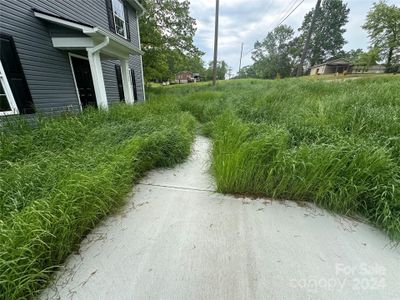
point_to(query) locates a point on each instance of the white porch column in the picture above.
(98, 79)
(126, 82)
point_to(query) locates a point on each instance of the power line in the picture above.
(290, 13)
(280, 23)
(285, 11)
(266, 11)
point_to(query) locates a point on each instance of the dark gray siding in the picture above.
(136, 63)
(110, 78)
(47, 70)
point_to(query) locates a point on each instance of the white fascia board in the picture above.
(120, 42)
(92, 32)
(65, 23)
(72, 42)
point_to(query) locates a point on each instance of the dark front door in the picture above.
(84, 81)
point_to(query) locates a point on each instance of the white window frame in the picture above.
(116, 16)
(9, 95)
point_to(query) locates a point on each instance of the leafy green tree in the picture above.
(383, 27)
(178, 63)
(327, 40)
(352, 55)
(370, 58)
(272, 56)
(222, 70)
(247, 72)
(166, 32)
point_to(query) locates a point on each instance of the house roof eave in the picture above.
(89, 30)
(329, 62)
(139, 7)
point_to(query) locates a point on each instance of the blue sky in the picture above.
(249, 20)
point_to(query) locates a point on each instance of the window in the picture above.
(7, 102)
(120, 83)
(119, 17)
(15, 96)
(134, 84)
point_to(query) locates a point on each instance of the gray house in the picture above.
(59, 55)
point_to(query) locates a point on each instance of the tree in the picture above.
(327, 39)
(352, 55)
(383, 27)
(247, 72)
(166, 33)
(222, 70)
(370, 58)
(272, 56)
(177, 63)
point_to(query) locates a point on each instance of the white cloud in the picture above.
(249, 20)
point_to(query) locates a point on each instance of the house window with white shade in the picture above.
(119, 17)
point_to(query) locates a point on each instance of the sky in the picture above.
(250, 20)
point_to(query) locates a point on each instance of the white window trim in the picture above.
(123, 20)
(70, 55)
(9, 95)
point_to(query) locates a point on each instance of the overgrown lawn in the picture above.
(336, 144)
(59, 179)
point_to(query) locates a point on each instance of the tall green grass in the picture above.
(336, 144)
(59, 179)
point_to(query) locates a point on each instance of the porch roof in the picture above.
(118, 46)
(335, 62)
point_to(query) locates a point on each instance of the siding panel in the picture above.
(47, 70)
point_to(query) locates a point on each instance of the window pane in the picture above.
(118, 8)
(119, 26)
(1, 88)
(4, 105)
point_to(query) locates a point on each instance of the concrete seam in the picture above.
(177, 187)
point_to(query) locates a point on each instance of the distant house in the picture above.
(186, 77)
(331, 67)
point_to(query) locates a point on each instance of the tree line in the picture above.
(167, 37)
(279, 53)
(166, 32)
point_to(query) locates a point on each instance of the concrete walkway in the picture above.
(176, 239)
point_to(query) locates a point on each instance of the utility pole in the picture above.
(241, 56)
(307, 43)
(216, 44)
